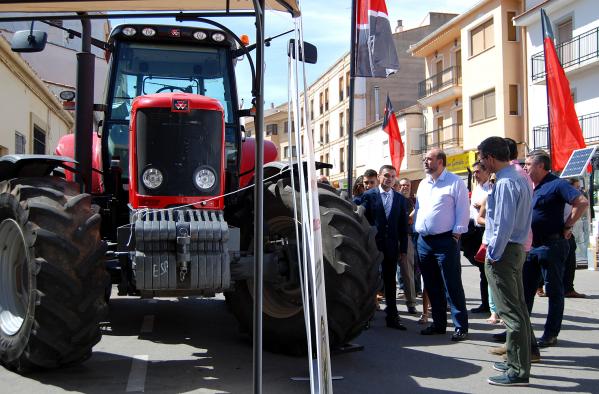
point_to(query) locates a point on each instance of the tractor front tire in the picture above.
(52, 278)
(351, 262)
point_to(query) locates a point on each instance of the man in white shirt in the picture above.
(442, 214)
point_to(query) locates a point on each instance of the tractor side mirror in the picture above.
(29, 41)
(310, 52)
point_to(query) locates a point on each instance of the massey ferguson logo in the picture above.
(180, 105)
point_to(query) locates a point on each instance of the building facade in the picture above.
(33, 119)
(474, 85)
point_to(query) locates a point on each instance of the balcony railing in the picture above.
(589, 124)
(450, 76)
(578, 50)
(445, 137)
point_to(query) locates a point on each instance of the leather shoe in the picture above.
(500, 337)
(546, 342)
(432, 330)
(412, 310)
(396, 323)
(480, 309)
(574, 294)
(459, 335)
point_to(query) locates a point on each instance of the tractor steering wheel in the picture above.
(171, 88)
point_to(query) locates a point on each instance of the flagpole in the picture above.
(546, 83)
(350, 132)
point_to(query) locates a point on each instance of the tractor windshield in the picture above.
(141, 68)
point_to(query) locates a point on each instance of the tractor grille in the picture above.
(177, 143)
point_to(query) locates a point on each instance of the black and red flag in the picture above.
(375, 54)
(390, 126)
(565, 134)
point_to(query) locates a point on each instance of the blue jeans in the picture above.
(549, 262)
(439, 257)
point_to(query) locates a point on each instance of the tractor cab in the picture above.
(182, 63)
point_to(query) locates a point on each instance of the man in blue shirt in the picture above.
(550, 234)
(442, 215)
(507, 224)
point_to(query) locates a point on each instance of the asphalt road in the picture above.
(193, 345)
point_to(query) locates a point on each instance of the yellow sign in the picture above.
(459, 164)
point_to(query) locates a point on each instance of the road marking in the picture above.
(147, 325)
(137, 375)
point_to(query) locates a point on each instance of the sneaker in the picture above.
(501, 366)
(507, 380)
(498, 350)
(459, 335)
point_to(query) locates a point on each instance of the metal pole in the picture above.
(259, 196)
(350, 132)
(547, 90)
(84, 110)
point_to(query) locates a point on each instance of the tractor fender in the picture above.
(66, 147)
(248, 159)
(28, 166)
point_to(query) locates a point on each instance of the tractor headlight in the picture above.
(218, 37)
(204, 178)
(152, 178)
(129, 31)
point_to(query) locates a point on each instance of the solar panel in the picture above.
(578, 162)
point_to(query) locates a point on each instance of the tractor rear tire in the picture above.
(351, 261)
(52, 278)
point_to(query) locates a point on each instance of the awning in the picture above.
(144, 5)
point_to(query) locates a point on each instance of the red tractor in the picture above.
(168, 212)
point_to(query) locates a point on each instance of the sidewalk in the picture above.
(408, 362)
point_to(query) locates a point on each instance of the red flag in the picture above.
(390, 126)
(375, 54)
(565, 133)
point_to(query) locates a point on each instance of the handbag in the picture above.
(481, 254)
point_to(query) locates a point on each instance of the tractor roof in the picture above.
(290, 6)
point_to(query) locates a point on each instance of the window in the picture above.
(347, 81)
(19, 143)
(326, 132)
(321, 102)
(302, 144)
(342, 159)
(347, 120)
(326, 99)
(481, 38)
(302, 117)
(341, 124)
(511, 29)
(39, 141)
(286, 129)
(312, 109)
(286, 151)
(3, 150)
(322, 172)
(272, 129)
(341, 88)
(482, 106)
(326, 160)
(321, 140)
(513, 99)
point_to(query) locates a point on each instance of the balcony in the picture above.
(579, 51)
(441, 86)
(444, 138)
(589, 124)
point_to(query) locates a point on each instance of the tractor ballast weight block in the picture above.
(182, 249)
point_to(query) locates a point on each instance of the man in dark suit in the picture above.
(387, 210)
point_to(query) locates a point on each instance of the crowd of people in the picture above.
(515, 227)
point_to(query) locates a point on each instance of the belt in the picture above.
(546, 239)
(440, 235)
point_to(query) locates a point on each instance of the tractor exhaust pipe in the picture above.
(84, 111)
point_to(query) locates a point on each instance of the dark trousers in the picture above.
(389, 268)
(470, 243)
(505, 279)
(440, 266)
(547, 261)
(570, 266)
